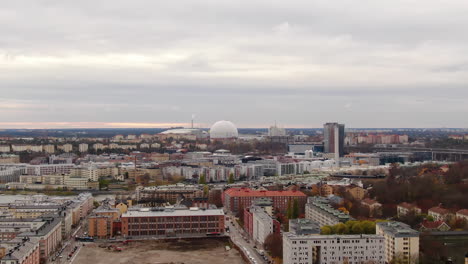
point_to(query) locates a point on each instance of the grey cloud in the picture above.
(302, 62)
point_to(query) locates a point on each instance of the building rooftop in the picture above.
(247, 192)
(323, 204)
(51, 221)
(398, 229)
(332, 237)
(161, 212)
(304, 227)
(439, 210)
(463, 212)
(19, 248)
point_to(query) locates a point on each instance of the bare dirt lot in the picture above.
(207, 251)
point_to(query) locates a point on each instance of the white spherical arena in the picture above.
(223, 130)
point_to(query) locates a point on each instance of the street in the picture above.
(69, 246)
(237, 233)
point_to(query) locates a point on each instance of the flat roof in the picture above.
(147, 212)
(398, 229)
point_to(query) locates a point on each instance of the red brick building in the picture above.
(236, 199)
(191, 222)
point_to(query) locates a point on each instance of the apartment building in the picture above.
(32, 210)
(401, 242)
(5, 148)
(49, 149)
(49, 235)
(237, 199)
(404, 209)
(83, 147)
(439, 213)
(9, 158)
(259, 221)
(170, 193)
(318, 209)
(20, 251)
(327, 249)
(173, 222)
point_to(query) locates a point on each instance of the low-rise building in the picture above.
(357, 192)
(404, 209)
(439, 213)
(172, 222)
(430, 226)
(375, 208)
(462, 214)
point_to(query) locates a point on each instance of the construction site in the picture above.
(205, 251)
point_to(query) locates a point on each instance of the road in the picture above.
(70, 244)
(237, 233)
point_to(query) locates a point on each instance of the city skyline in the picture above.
(386, 64)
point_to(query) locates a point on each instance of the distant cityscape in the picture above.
(331, 195)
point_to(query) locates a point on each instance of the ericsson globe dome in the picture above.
(223, 130)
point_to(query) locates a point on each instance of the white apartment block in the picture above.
(49, 149)
(331, 249)
(76, 183)
(401, 241)
(49, 169)
(144, 145)
(83, 147)
(5, 148)
(319, 210)
(262, 224)
(98, 146)
(66, 148)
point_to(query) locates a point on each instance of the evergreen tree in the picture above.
(202, 179)
(289, 212)
(231, 178)
(295, 209)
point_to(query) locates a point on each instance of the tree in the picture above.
(206, 190)
(357, 229)
(295, 209)
(202, 179)
(341, 229)
(369, 227)
(231, 178)
(274, 245)
(289, 211)
(326, 230)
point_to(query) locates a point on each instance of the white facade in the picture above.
(49, 149)
(400, 241)
(5, 148)
(83, 147)
(262, 225)
(328, 249)
(319, 210)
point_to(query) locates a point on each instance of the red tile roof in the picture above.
(432, 225)
(439, 210)
(247, 192)
(463, 212)
(408, 206)
(369, 201)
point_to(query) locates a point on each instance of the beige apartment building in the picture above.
(401, 242)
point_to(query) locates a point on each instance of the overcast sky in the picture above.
(122, 63)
